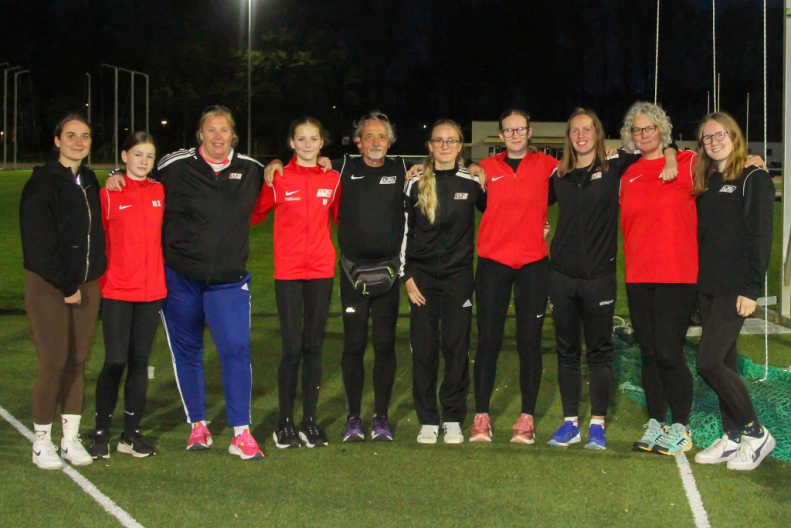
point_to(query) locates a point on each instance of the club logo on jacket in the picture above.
(387, 180)
(728, 188)
(156, 203)
(461, 196)
(596, 176)
(324, 193)
(235, 176)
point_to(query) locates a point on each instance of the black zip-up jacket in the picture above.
(60, 219)
(447, 246)
(205, 232)
(735, 234)
(586, 238)
(371, 211)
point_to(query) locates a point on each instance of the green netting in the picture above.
(771, 398)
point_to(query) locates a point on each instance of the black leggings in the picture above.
(383, 313)
(303, 307)
(493, 284)
(717, 359)
(583, 306)
(660, 318)
(129, 329)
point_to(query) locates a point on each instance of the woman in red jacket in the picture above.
(304, 268)
(132, 291)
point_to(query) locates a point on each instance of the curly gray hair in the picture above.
(653, 112)
(374, 115)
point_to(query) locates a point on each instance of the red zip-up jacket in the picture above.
(303, 199)
(512, 228)
(132, 222)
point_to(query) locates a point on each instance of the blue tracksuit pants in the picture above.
(225, 308)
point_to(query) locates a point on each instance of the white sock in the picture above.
(573, 419)
(43, 432)
(71, 425)
(597, 421)
(195, 424)
(239, 429)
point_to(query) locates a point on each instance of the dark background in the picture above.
(415, 60)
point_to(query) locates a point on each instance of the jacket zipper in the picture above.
(90, 225)
(307, 222)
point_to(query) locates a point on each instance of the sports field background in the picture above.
(398, 484)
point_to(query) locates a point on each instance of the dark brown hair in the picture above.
(136, 139)
(71, 117)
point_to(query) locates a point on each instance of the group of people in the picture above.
(173, 243)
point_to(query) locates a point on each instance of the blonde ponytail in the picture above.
(427, 190)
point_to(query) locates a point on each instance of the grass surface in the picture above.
(398, 484)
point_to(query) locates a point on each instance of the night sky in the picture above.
(415, 60)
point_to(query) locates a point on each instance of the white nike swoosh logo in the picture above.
(290, 193)
(497, 178)
(357, 177)
(633, 179)
(122, 207)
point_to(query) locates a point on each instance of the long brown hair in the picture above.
(569, 160)
(734, 166)
(427, 186)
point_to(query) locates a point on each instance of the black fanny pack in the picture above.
(371, 280)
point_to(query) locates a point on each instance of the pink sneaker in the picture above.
(245, 447)
(523, 430)
(481, 429)
(200, 438)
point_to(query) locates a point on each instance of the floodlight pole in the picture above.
(5, 113)
(249, 76)
(132, 73)
(16, 77)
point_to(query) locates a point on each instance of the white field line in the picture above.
(104, 501)
(693, 495)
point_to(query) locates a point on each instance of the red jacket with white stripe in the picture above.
(132, 221)
(512, 228)
(303, 200)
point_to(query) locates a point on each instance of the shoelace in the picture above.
(48, 449)
(289, 433)
(481, 422)
(248, 440)
(524, 424)
(746, 452)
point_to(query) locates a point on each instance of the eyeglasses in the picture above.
(719, 136)
(638, 131)
(508, 132)
(438, 142)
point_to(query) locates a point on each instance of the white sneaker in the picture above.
(752, 451)
(74, 452)
(453, 434)
(45, 455)
(722, 450)
(428, 434)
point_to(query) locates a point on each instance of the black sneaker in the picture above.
(134, 444)
(312, 435)
(285, 436)
(100, 445)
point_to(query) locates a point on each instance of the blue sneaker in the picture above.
(353, 430)
(568, 433)
(596, 438)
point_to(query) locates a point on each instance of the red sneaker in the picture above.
(200, 438)
(481, 429)
(523, 430)
(245, 447)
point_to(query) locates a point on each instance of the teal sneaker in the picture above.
(653, 430)
(677, 440)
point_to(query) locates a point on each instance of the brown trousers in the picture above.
(63, 334)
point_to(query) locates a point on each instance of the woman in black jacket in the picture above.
(735, 208)
(437, 272)
(64, 256)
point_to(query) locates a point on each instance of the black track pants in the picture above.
(717, 359)
(129, 329)
(443, 323)
(583, 306)
(383, 313)
(303, 307)
(493, 283)
(660, 318)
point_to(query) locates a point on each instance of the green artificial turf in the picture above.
(396, 484)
